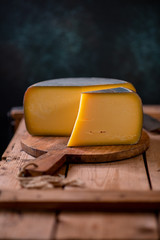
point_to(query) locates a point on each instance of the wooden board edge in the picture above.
(32, 151)
(80, 200)
(16, 137)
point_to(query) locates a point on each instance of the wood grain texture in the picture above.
(58, 153)
(15, 159)
(107, 226)
(129, 175)
(123, 225)
(26, 226)
(21, 225)
(153, 153)
(153, 161)
(81, 200)
(122, 175)
(12, 160)
(14, 143)
(9, 171)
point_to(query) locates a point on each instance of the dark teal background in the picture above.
(44, 39)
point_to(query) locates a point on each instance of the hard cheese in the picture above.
(51, 107)
(108, 117)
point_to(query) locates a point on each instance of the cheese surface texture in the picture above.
(51, 107)
(108, 117)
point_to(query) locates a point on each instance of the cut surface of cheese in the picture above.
(108, 117)
(51, 107)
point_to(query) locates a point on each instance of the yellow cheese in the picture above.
(51, 107)
(108, 117)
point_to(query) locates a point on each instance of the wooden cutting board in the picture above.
(52, 152)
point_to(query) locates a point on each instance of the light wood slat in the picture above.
(127, 174)
(27, 226)
(9, 170)
(14, 146)
(120, 175)
(107, 226)
(153, 153)
(14, 159)
(153, 160)
(81, 200)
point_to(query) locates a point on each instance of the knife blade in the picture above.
(151, 124)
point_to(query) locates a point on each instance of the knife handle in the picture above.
(48, 163)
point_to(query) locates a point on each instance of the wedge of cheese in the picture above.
(51, 107)
(108, 117)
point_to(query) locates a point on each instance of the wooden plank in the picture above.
(153, 161)
(24, 225)
(16, 114)
(119, 175)
(28, 225)
(127, 174)
(81, 200)
(14, 159)
(9, 170)
(153, 153)
(123, 175)
(107, 226)
(14, 146)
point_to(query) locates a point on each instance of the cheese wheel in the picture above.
(51, 107)
(108, 117)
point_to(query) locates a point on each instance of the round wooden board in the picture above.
(38, 145)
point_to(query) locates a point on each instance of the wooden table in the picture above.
(121, 199)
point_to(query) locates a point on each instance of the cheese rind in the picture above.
(51, 107)
(108, 117)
